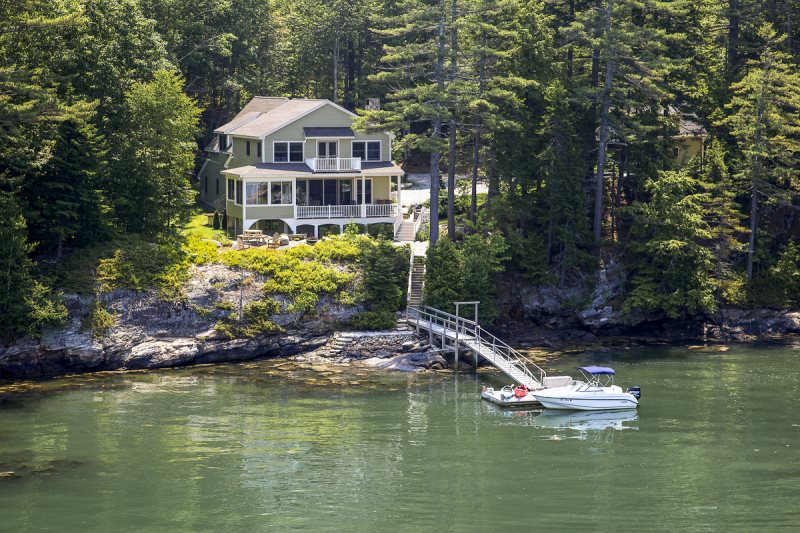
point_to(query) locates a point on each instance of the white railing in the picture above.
(328, 211)
(382, 210)
(334, 164)
(398, 221)
(421, 217)
(497, 352)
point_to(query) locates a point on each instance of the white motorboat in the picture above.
(597, 393)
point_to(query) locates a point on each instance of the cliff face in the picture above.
(577, 313)
(150, 333)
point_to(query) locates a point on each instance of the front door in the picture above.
(327, 149)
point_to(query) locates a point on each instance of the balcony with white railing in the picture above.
(334, 164)
(347, 211)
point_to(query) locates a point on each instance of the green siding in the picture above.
(233, 209)
(240, 157)
(211, 175)
(381, 188)
(270, 211)
(326, 116)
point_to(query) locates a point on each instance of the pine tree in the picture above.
(444, 275)
(669, 261)
(382, 288)
(64, 203)
(25, 304)
(415, 76)
(765, 121)
(630, 55)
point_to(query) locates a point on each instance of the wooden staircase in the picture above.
(416, 281)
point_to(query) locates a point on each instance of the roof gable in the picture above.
(263, 115)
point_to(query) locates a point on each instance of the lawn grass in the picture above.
(198, 225)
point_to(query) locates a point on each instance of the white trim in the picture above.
(264, 150)
(327, 140)
(289, 151)
(322, 103)
(365, 159)
(227, 161)
(247, 121)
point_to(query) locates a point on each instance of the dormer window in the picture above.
(367, 150)
(287, 152)
(223, 143)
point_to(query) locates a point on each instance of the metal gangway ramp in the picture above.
(462, 331)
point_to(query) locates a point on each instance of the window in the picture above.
(205, 184)
(367, 150)
(247, 148)
(368, 187)
(327, 148)
(302, 192)
(231, 186)
(258, 149)
(345, 192)
(284, 152)
(281, 192)
(257, 193)
(239, 192)
(217, 182)
(223, 143)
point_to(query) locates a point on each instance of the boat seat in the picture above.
(556, 381)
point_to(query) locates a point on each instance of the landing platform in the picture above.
(496, 398)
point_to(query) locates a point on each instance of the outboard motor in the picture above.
(636, 392)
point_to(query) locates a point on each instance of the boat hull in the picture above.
(597, 399)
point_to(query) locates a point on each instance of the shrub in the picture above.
(255, 320)
(381, 230)
(329, 229)
(99, 320)
(424, 233)
(200, 251)
(373, 320)
(215, 224)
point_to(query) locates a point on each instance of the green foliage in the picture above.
(26, 304)
(669, 262)
(99, 320)
(468, 273)
(256, 320)
(384, 277)
(215, 223)
(154, 147)
(200, 251)
(373, 320)
(301, 279)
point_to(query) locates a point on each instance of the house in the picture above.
(296, 165)
(689, 139)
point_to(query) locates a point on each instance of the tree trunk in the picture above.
(494, 180)
(436, 134)
(349, 79)
(476, 148)
(733, 38)
(451, 156)
(570, 50)
(601, 146)
(335, 68)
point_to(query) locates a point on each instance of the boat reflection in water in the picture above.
(587, 420)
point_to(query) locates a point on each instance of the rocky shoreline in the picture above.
(150, 333)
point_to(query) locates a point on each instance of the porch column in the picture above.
(399, 200)
(363, 197)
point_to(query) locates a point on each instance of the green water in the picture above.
(715, 446)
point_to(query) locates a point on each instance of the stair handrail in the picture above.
(470, 330)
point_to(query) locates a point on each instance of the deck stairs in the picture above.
(406, 232)
(459, 331)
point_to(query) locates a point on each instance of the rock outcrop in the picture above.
(151, 333)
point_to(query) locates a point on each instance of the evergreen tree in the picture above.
(64, 203)
(444, 275)
(382, 288)
(483, 261)
(765, 121)
(25, 304)
(416, 78)
(669, 263)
